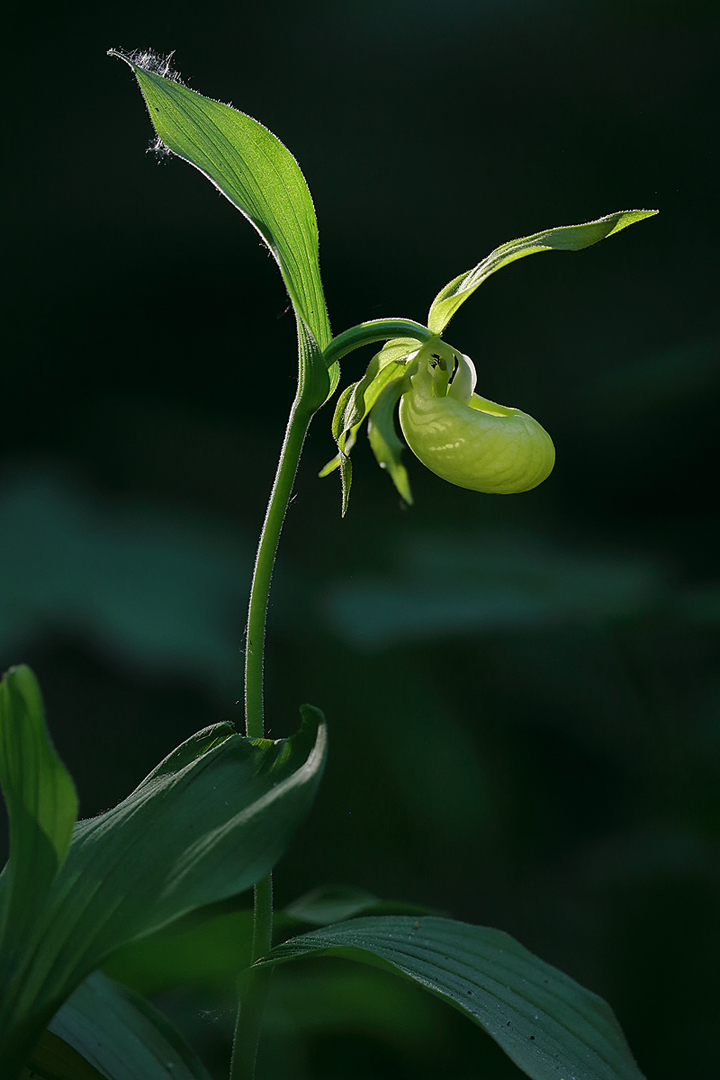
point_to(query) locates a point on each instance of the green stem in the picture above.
(368, 332)
(298, 423)
(253, 986)
(253, 989)
(262, 918)
(300, 416)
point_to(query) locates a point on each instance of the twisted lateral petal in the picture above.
(476, 443)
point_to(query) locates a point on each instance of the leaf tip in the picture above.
(628, 217)
(149, 62)
(640, 215)
(330, 467)
(23, 679)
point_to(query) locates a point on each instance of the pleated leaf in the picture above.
(564, 238)
(123, 1036)
(549, 1025)
(206, 824)
(259, 176)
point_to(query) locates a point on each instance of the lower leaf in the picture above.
(54, 1059)
(548, 1024)
(206, 824)
(123, 1036)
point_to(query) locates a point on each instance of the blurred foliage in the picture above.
(553, 657)
(159, 591)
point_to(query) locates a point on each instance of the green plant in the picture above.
(213, 818)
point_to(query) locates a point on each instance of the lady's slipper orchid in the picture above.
(466, 439)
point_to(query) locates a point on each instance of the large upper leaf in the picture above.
(42, 808)
(259, 176)
(548, 1024)
(252, 168)
(206, 824)
(565, 238)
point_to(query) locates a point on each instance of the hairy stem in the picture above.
(253, 986)
(253, 991)
(298, 424)
(368, 332)
(363, 334)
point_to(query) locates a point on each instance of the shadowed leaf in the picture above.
(548, 1024)
(42, 808)
(206, 824)
(123, 1036)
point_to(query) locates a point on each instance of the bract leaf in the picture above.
(206, 824)
(253, 169)
(548, 1024)
(316, 381)
(123, 1036)
(42, 808)
(259, 176)
(564, 238)
(384, 441)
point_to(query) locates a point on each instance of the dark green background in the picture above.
(523, 693)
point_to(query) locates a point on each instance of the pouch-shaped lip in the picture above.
(476, 443)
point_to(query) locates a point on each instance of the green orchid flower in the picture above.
(464, 438)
